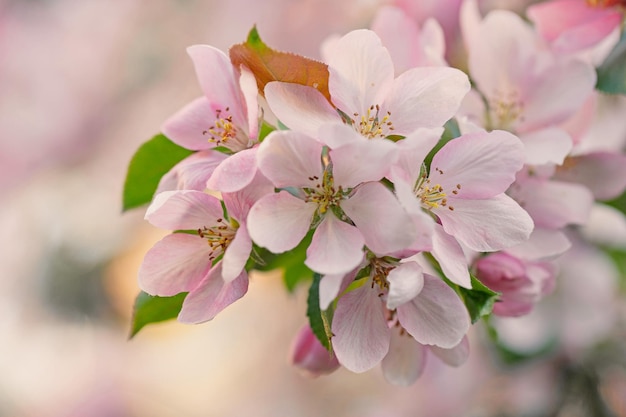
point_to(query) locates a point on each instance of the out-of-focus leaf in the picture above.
(152, 160)
(269, 65)
(479, 300)
(150, 309)
(265, 130)
(612, 72)
(319, 319)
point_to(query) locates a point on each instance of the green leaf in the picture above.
(291, 263)
(152, 160)
(612, 72)
(451, 131)
(319, 319)
(269, 65)
(150, 309)
(479, 300)
(265, 130)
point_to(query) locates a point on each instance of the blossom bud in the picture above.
(521, 283)
(308, 354)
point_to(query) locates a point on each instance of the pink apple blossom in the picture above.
(366, 95)
(523, 274)
(335, 192)
(395, 294)
(464, 192)
(208, 264)
(227, 116)
(523, 87)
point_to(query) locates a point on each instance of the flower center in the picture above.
(323, 192)
(371, 125)
(505, 110)
(433, 196)
(379, 272)
(225, 133)
(218, 237)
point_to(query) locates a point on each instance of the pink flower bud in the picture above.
(308, 354)
(521, 283)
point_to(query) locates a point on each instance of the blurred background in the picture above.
(82, 85)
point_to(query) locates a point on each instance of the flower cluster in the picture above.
(408, 187)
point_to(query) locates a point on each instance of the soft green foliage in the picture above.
(319, 319)
(150, 309)
(479, 300)
(152, 160)
(612, 72)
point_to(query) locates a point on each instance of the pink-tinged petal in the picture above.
(250, 92)
(336, 247)
(482, 164)
(606, 227)
(362, 161)
(486, 225)
(447, 251)
(604, 173)
(405, 362)
(212, 296)
(192, 172)
(360, 72)
(186, 127)
(414, 149)
(238, 204)
(175, 264)
(300, 107)
(501, 48)
(330, 286)
(546, 146)
(405, 282)
(310, 356)
(219, 82)
(425, 97)
(434, 44)
(557, 94)
(380, 218)
(289, 159)
(591, 33)
(554, 204)
(278, 222)
(472, 113)
(437, 316)
(336, 134)
(572, 25)
(235, 172)
(236, 254)
(184, 210)
(400, 34)
(361, 333)
(542, 244)
(455, 356)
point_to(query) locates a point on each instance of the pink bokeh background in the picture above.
(82, 85)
